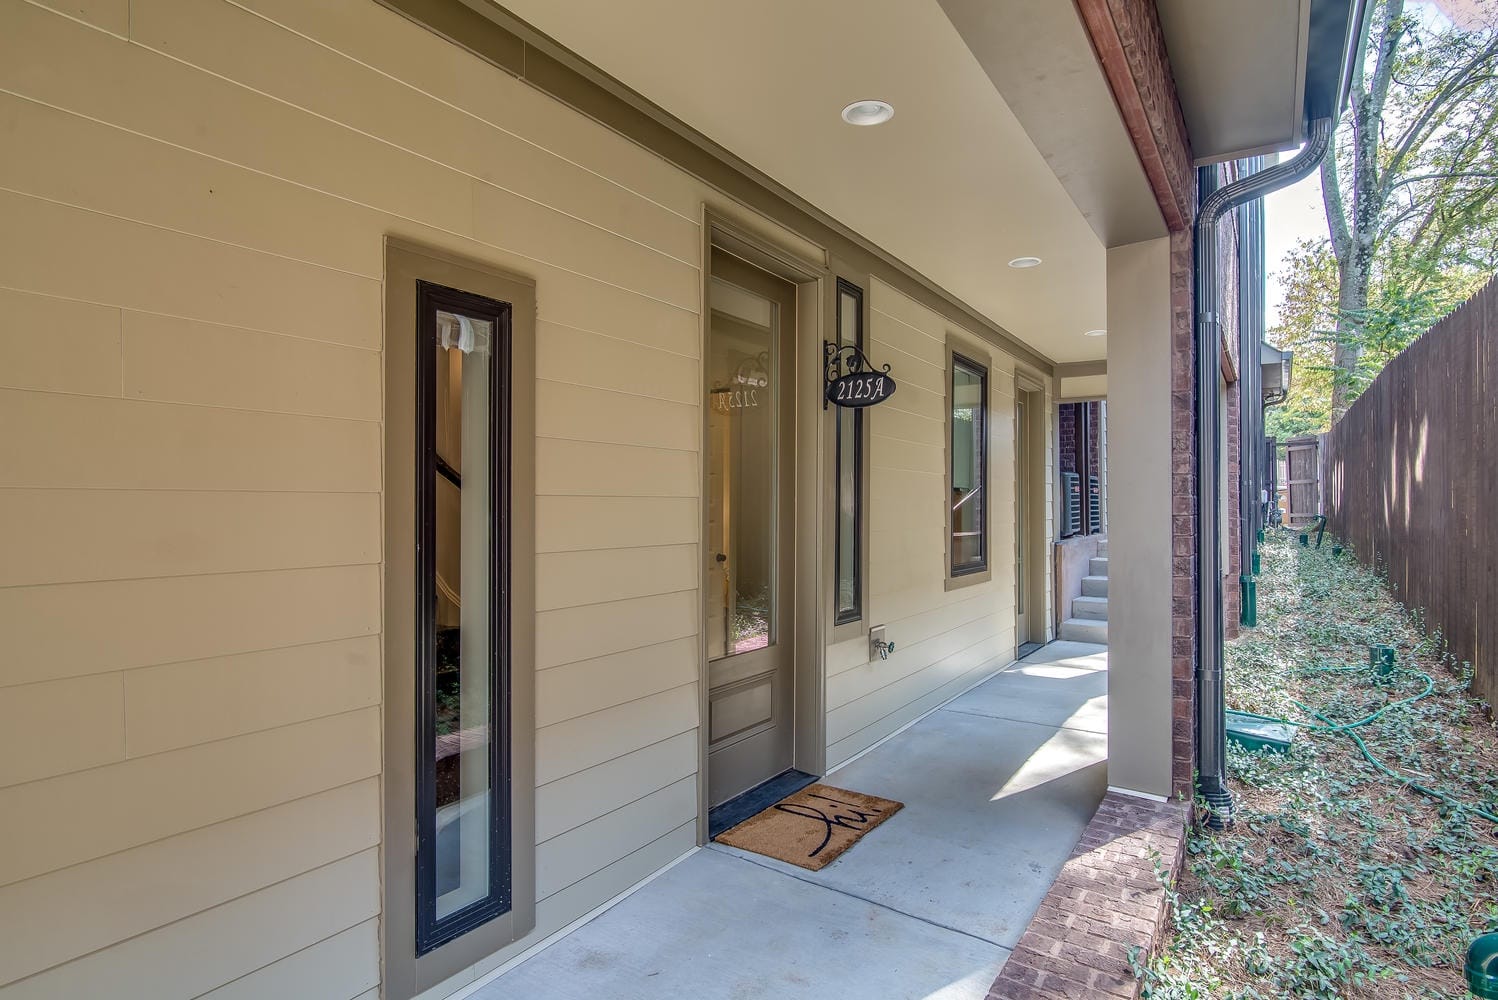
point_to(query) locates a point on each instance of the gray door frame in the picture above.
(813, 281)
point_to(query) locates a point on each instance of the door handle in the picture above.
(720, 557)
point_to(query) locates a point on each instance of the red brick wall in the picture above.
(1066, 423)
(1183, 513)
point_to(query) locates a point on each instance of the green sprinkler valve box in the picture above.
(1381, 659)
(1482, 967)
(1255, 732)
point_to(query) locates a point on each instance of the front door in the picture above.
(748, 579)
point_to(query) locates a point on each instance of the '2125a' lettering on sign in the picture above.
(860, 389)
(740, 399)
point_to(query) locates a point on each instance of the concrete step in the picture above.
(1084, 630)
(1094, 586)
(1091, 608)
(1102, 547)
(1098, 566)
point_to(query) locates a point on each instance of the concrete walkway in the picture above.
(997, 785)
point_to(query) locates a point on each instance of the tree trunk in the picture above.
(1352, 300)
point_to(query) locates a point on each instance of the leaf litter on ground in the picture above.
(1334, 880)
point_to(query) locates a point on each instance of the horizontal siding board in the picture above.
(573, 579)
(898, 696)
(141, 889)
(337, 968)
(57, 727)
(573, 523)
(584, 468)
(183, 960)
(579, 413)
(918, 625)
(173, 187)
(80, 535)
(558, 239)
(588, 686)
(33, 330)
(568, 635)
(108, 15)
(587, 741)
(59, 250)
(70, 630)
(99, 443)
(572, 856)
(570, 802)
(124, 805)
(841, 750)
(182, 361)
(272, 60)
(177, 705)
(130, 86)
(559, 909)
(389, 42)
(566, 354)
(568, 299)
(875, 676)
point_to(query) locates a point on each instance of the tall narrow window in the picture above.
(968, 473)
(463, 875)
(849, 555)
(1021, 506)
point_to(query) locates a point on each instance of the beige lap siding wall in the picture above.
(194, 196)
(944, 640)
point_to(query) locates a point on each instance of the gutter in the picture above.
(1211, 707)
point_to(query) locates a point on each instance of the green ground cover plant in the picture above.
(1336, 880)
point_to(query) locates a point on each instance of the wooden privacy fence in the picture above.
(1413, 480)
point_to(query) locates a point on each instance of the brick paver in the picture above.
(1107, 900)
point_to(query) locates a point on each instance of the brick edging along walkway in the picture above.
(1106, 900)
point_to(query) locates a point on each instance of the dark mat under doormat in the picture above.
(811, 828)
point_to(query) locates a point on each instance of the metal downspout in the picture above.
(1211, 723)
(1250, 393)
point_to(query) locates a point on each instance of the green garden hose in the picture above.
(1328, 726)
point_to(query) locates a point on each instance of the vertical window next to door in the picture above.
(969, 458)
(462, 781)
(849, 498)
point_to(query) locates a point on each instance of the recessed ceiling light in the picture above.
(1023, 262)
(868, 113)
(1096, 333)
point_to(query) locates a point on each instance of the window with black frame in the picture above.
(968, 394)
(849, 483)
(463, 868)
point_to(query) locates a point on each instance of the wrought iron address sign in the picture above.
(852, 380)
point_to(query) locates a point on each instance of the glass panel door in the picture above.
(750, 420)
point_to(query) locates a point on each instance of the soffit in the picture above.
(1239, 70)
(953, 185)
(1038, 55)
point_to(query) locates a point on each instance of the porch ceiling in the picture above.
(954, 185)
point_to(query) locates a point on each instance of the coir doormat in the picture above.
(811, 828)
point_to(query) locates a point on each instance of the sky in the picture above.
(1291, 214)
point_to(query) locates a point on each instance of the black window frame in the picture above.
(856, 414)
(432, 933)
(980, 462)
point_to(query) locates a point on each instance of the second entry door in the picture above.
(748, 579)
